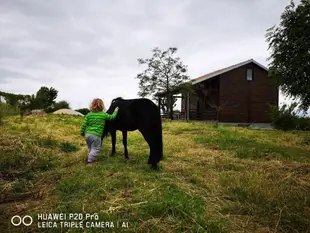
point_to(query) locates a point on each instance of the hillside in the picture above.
(228, 179)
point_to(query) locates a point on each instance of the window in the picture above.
(198, 106)
(249, 74)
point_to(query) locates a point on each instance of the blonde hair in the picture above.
(97, 105)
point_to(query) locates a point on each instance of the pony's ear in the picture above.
(116, 99)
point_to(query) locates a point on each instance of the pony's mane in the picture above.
(106, 131)
(118, 98)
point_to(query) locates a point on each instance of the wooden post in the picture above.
(187, 107)
(171, 107)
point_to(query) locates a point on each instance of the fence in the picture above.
(199, 116)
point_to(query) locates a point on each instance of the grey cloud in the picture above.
(35, 8)
(79, 45)
(7, 75)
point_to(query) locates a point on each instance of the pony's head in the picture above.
(113, 105)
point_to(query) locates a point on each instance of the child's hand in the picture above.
(116, 109)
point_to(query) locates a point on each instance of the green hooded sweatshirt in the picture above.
(94, 122)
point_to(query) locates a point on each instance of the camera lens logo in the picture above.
(17, 220)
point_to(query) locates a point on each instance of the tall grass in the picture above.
(7, 110)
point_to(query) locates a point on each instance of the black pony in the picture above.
(137, 114)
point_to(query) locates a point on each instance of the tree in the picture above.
(45, 97)
(163, 105)
(26, 103)
(218, 108)
(57, 106)
(61, 104)
(11, 99)
(290, 52)
(164, 73)
(17, 102)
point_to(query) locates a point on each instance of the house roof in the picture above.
(224, 70)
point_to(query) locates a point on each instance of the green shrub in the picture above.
(286, 119)
(56, 106)
(49, 110)
(84, 111)
(303, 123)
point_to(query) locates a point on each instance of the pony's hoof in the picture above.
(155, 167)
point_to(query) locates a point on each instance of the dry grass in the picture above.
(225, 179)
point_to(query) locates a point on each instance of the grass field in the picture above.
(225, 179)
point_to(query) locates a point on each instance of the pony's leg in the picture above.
(125, 144)
(113, 136)
(153, 150)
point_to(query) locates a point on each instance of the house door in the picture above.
(198, 110)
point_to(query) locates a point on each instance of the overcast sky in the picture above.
(89, 48)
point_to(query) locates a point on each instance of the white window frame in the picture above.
(249, 76)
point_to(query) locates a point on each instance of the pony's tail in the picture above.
(160, 139)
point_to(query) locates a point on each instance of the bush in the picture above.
(61, 104)
(56, 106)
(84, 111)
(303, 123)
(286, 119)
(49, 110)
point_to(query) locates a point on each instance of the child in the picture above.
(94, 125)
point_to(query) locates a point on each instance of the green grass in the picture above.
(246, 145)
(225, 179)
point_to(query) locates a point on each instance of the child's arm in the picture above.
(111, 116)
(84, 124)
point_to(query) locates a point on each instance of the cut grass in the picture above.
(225, 179)
(245, 145)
